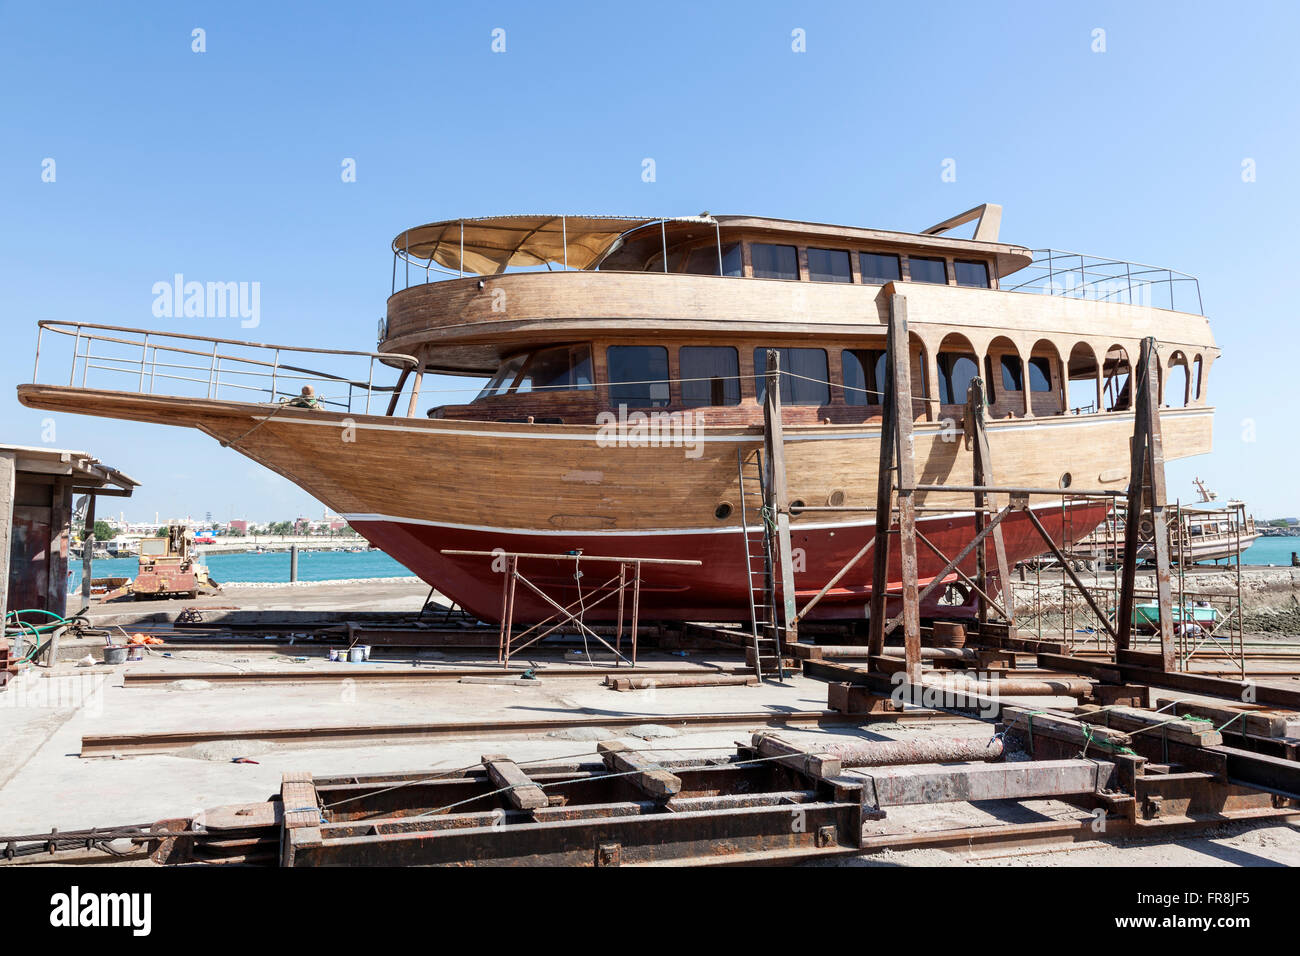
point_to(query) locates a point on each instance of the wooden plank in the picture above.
(1062, 727)
(807, 762)
(523, 793)
(646, 775)
(299, 799)
(1196, 733)
(1240, 719)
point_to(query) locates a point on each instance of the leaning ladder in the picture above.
(759, 573)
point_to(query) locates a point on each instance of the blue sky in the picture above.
(225, 165)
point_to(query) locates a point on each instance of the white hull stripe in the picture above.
(645, 532)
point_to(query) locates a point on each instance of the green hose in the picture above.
(24, 629)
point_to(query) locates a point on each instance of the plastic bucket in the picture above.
(135, 653)
(356, 655)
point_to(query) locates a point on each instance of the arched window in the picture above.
(957, 365)
(1116, 380)
(1082, 380)
(1198, 385)
(1176, 382)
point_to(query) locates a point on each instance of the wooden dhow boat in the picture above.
(1207, 530)
(624, 360)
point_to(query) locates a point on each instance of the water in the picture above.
(269, 567)
(1271, 551)
(344, 565)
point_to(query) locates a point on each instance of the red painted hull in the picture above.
(715, 591)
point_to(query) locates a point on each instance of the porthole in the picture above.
(836, 498)
(1066, 479)
(723, 511)
(797, 505)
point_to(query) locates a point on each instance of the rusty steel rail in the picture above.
(371, 675)
(96, 745)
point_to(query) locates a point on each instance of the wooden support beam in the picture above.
(809, 763)
(1195, 733)
(646, 775)
(523, 793)
(87, 551)
(976, 408)
(897, 472)
(774, 445)
(300, 805)
(8, 488)
(1146, 486)
(1242, 720)
(1063, 728)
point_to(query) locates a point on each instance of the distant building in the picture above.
(240, 524)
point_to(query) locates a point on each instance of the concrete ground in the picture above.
(44, 782)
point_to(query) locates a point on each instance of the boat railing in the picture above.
(197, 366)
(1079, 276)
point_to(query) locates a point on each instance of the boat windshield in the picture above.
(562, 368)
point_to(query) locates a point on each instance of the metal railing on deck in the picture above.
(1080, 276)
(199, 366)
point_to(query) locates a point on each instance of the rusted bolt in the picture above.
(828, 835)
(609, 854)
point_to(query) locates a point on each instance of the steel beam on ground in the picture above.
(936, 783)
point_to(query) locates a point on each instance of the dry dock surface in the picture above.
(45, 714)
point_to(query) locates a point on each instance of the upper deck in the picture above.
(467, 293)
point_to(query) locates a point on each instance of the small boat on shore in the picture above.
(1206, 530)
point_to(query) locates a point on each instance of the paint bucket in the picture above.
(365, 651)
(356, 655)
(135, 652)
(114, 653)
(334, 653)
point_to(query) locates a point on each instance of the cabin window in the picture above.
(956, 369)
(656, 261)
(558, 369)
(988, 379)
(774, 262)
(925, 269)
(972, 274)
(805, 376)
(1040, 374)
(710, 375)
(703, 261)
(1012, 379)
(879, 267)
(638, 375)
(864, 376)
(829, 265)
(505, 376)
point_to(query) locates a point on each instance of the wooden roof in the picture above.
(88, 471)
(490, 245)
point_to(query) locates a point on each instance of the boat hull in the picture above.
(417, 488)
(716, 590)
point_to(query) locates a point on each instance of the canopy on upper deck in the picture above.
(490, 245)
